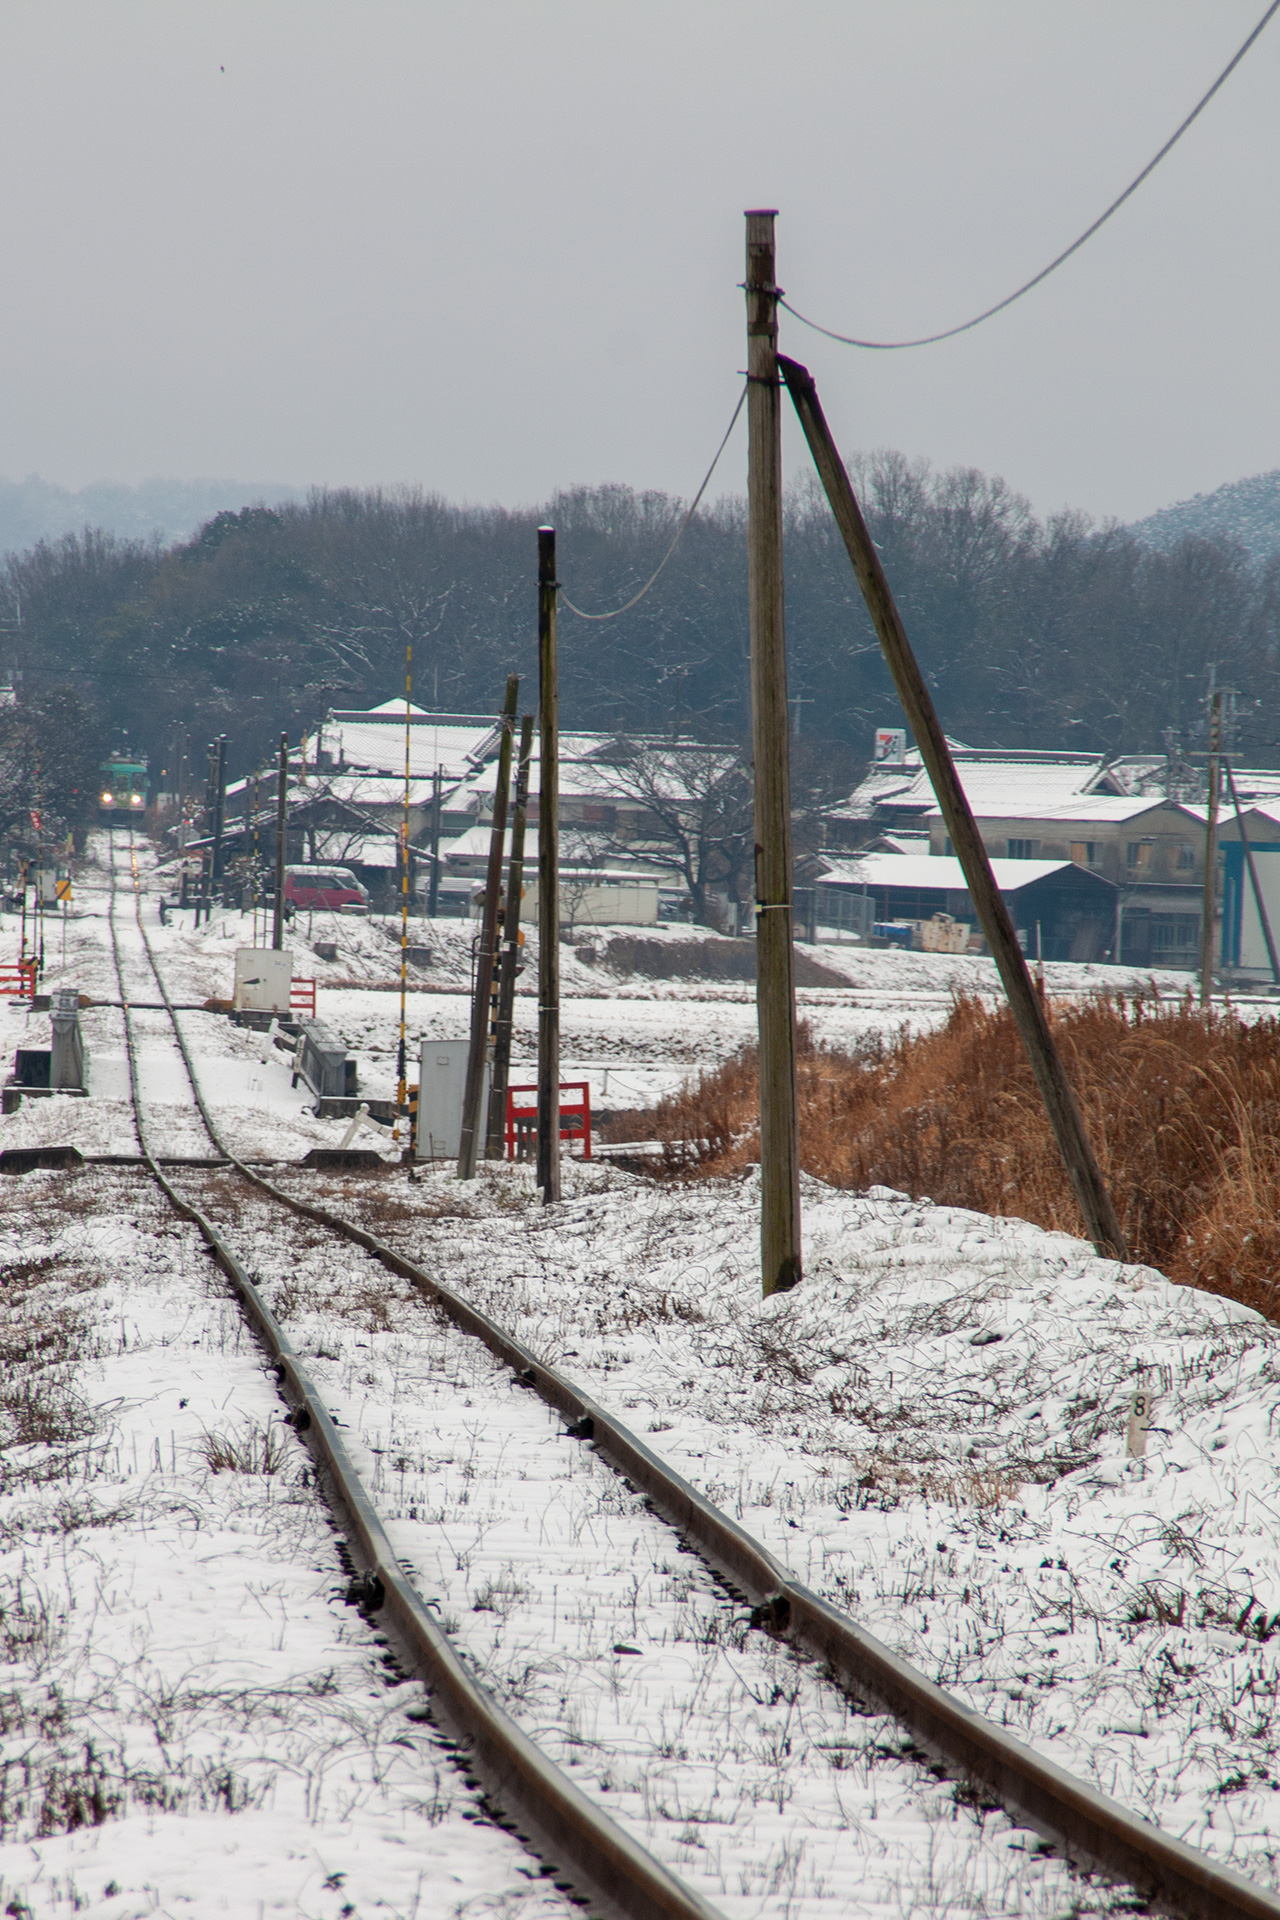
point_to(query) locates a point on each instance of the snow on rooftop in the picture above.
(937, 870)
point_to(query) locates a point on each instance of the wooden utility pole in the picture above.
(1208, 912)
(1264, 918)
(780, 1257)
(282, 798)
(433, 891)
(478, 1052)
(548, 875)
(219, 805)
(510, 962)
(1028, 1010)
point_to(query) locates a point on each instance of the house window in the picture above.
(1138, 855)
(1175, 933)
(1084, 852)
(1184, 856)
(1021, 849)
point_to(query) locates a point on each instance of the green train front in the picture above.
(124, 788)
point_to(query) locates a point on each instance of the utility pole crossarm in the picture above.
(1086, 1179)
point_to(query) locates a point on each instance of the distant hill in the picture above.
(35, 509)
(1246, 510)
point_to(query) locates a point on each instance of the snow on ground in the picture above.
(731, 1761)
(191, 1720)
(930, 1431)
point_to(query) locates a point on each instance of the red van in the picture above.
(324, 887)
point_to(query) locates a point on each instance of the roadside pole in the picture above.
(481, 1008)
(1208, 912)
(780, 1250)
(219, 806)
(1028, 1010)
(402, 1039)
(1264, 918)
(548, 875)
(433, 888)
(510, 960)
(282, 800)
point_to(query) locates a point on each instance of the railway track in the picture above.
(532, 1797)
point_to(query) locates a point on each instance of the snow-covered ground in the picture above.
(191, 1720)
(930, 1430)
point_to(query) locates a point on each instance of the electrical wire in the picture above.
(679, 530)
(929, 339)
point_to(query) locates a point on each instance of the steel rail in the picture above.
(1092, 1830)
(528, 1794)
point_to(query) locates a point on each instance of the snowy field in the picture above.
(930, 1431)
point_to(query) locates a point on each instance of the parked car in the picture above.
(327, 887)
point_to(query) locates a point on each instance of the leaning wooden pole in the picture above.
(548, 875)
(1264, 918)
(478, 1051)
(1083, 1171)
(780, 1256)
(509, 964)
(1209, 908)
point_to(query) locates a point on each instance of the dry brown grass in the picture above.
(1182, 1106)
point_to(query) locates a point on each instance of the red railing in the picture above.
(302, 997)
(522, 1118)
(18, 980)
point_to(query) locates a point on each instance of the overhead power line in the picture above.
(949, 333)
(679, 530)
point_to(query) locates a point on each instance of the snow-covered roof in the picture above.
(453, 742)
(1086, 809)
(941, 870)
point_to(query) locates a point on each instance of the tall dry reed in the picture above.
(1182, 1106)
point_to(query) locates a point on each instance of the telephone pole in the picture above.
(780, 1256)
(282, 799)
(1209, 910)
(481, 1007)
(548, 875)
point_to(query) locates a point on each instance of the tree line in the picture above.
(1033, 632)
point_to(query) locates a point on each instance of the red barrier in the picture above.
(18, 980)
(522, 1118)
(302, 997)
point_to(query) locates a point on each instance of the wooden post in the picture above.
(548, 875)
(478, 1052)
(509, 966)
(282, 799)
(780, 1255)
(437, 796)
(1208, 912)
(1264, 917)
(219, 805)
(1086, 1179)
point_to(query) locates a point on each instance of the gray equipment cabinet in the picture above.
(321, 1061)
(67, 1059)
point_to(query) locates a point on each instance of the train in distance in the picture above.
(124, 788)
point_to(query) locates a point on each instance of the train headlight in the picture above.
(135, 800)
(108, 799)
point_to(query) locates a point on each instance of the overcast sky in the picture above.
(495, 249)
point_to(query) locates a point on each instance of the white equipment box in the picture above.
(442, 1081)
(264, 980)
